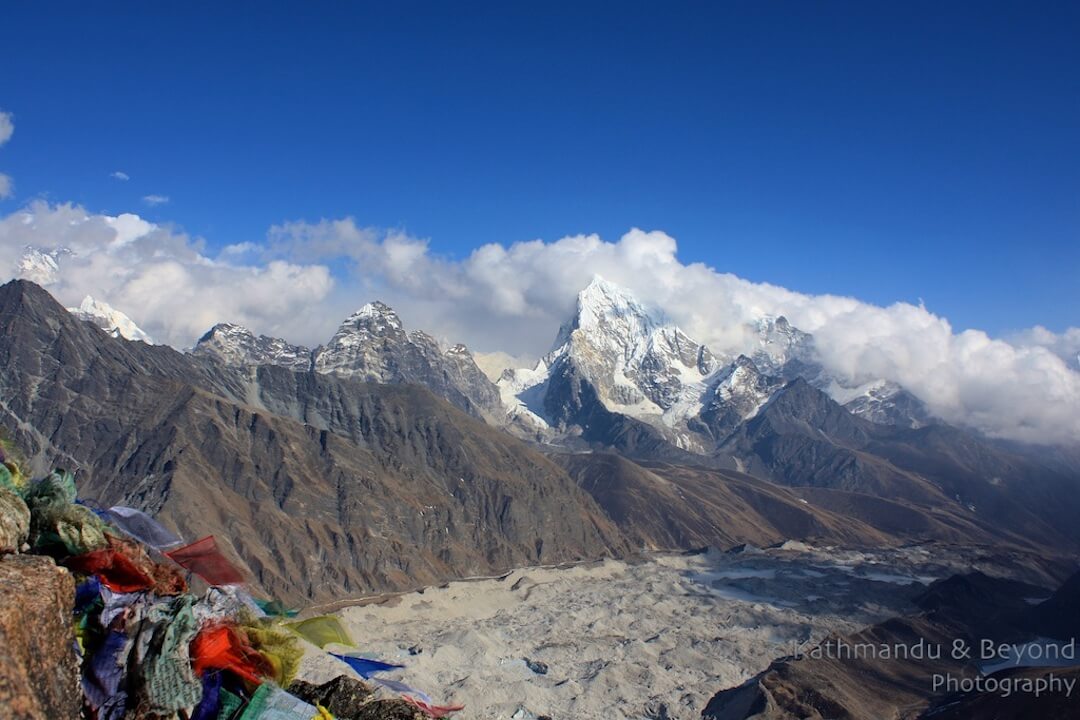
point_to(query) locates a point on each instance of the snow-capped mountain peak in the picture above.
(778, 342)
(109, 319)
(41, 266)
(639, 362)
(374, 317)
(236, 345)
(604, 306)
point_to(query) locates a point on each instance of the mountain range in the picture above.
(385, 459)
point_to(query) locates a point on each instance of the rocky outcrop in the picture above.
(349, 699)
(14, 521)
(39, 672)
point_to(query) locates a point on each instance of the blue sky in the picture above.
(915, 150)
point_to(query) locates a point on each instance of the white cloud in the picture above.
(162, 279)
(119, 175)
(1066, 345)
(7, 186)
(513, 298)
(7, 126)
(155, 200)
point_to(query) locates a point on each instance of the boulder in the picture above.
(39, 671)
(14, 521)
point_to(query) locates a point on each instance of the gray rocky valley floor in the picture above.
(616, 640)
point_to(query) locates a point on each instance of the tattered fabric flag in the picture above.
(273, 703)
(230, 705)
(278, 646)
(321, 631)
(141, 526)
(220, 647)
(435, 711)
(169, 681)
(276, 608)
(113, 569)
(115, 605)
(203, 558)
(166, 578)
(403, 689)
(226, 601)
(104, 672)
(86, 594)
(57, 522)
(210, 704)
(364, 667)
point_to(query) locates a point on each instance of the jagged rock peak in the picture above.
(376, 317)
(41, 265)
(372, 345)
(236, 345)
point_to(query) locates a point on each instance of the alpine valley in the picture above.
(386, 461)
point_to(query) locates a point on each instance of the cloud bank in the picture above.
(161, 278)
(306, 277)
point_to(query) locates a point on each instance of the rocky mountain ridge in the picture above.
(642, 365)
(371, 345)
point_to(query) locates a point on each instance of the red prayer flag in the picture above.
(220, 647)
(203, 558)
(114, 569)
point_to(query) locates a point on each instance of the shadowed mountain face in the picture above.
(837, 681)
(803, 438)
(322, 486)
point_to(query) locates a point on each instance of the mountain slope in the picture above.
(321, 486)
(667, 506)
(803, 438)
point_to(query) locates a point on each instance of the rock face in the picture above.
(371, 345)
(236, 345)
(14, 521)
(322, 486)
(39, 674)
